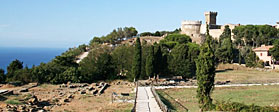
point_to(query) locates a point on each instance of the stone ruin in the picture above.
(61, 96)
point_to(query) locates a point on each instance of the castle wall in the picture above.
(196, 30)
(215, 33)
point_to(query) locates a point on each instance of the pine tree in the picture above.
(149, 66)
(136, 68)
(205, 74)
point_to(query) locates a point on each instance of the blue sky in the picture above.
(68, 23)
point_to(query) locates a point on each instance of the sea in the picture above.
(29, 56)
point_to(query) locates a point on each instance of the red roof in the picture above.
(263, 48)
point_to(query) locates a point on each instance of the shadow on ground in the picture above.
(2, 98)
(225, 70)
(166, 101)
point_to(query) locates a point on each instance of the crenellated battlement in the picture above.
(210, 13)
(210, 17)
(191, 22)
(196, 30)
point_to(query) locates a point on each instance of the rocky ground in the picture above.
(78, 97)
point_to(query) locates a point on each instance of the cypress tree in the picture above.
(225, 51)
(149, 66)
(205, 74)
(159, 62)
(136, 68)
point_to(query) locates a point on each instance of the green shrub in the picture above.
(13, 102)
(240, 107)
(260, 64)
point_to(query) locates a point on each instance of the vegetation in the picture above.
(258, 95)
(2, 76)
(13, 67)
(251, 59)
(254, 35)
(136, 68)
(150, 62)
(13, 102)
(160, 33)
(275, 51)
(116, 36)
(175, 55)
(205, 74)
(224, 53)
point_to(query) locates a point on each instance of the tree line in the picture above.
(175, 55)
(108, 63)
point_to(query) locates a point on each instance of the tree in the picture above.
(157, 33)
(129, 32)
(149, 66)
(13, 67)
(226, 34)
(136, 67)
(122, 57)
(146, 34)
(2, 76)
(180, 64)
(105, 67)
(95, 40)
(205, 74)
(98, 65)
(22, 75)
(225, 52)
(251, 59)
(254, 35)
(172, 40)
(160, 62)
(274, 51)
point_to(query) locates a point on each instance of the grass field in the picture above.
(247, 76)
(259, 95)
(240, 74)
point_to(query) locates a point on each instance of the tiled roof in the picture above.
(263, 48)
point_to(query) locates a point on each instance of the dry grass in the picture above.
(80, 103)
(241, 74)
(102, 103)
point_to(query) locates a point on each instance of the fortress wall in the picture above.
(203, 29)
(215, 33)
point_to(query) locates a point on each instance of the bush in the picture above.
(240, 107)
(13, 102)
(260, 64)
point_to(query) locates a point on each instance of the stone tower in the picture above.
(210, 18)
(191, 28)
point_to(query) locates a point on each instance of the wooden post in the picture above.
(112, 97)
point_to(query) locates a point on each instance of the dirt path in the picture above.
(146, 101)
(228, 85)
(83, 55)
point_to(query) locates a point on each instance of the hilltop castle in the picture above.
(196, 30)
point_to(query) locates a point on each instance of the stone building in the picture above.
(196, 30)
